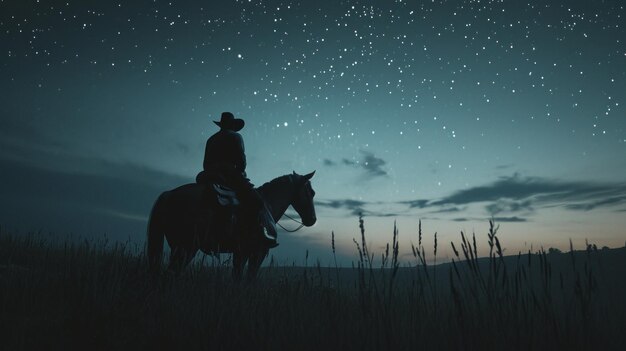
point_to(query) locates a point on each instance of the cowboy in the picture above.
(225, 163)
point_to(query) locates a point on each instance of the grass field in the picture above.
(99, 296)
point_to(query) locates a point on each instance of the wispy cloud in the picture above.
(416, 203)
(513, 219)
(372, 165)
(448, 210)
(357, 207)
(108, 190)
(508, 199)
(516, 193)
(510, 219)
(461, 219)
(513, 199)
(505, 205)
(590, 205)
(354, 206)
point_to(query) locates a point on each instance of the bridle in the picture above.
(293, 219)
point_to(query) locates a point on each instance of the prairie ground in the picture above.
(98, 295)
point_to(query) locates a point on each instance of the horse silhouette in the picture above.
(184, 217)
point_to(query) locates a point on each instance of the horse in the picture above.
(184, 217)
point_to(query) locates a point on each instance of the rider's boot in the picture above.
(268, 227)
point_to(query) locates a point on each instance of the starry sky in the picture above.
(452, 112)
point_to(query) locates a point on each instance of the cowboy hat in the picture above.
(228, 121)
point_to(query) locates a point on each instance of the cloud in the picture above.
(513, 219)
(512, 199)
(415, 203)
(516, 194)
(510, 219)
(113, 198)
(350, 204)
(372, 165)
(515, 198)
(357, 207)
(505, 205)
(508, 199)
(590, 205)
(460, 219)
(448, 210)
(515, 188)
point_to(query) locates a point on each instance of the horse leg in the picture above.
(256, 257)
(180, 258)
(239, 261)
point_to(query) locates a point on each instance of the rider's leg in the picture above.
(252, 209)
(259, 222)
(254, 213)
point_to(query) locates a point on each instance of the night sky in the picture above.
(452, 112)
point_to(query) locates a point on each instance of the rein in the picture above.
(291, 180)
(293, 219)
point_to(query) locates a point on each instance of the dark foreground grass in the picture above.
(99, 297)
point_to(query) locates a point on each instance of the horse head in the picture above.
(302, 201)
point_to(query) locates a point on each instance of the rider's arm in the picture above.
(241, 154)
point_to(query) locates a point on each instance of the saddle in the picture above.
(215, 189)
(228, 208)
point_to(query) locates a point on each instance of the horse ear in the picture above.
(310, 175)
(294, 172)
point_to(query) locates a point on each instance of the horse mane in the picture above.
(276, 181)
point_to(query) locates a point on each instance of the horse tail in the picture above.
(156, 234)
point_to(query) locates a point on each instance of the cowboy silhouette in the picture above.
(225, 163)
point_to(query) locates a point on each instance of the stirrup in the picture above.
(267, 235)
(269, 240)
